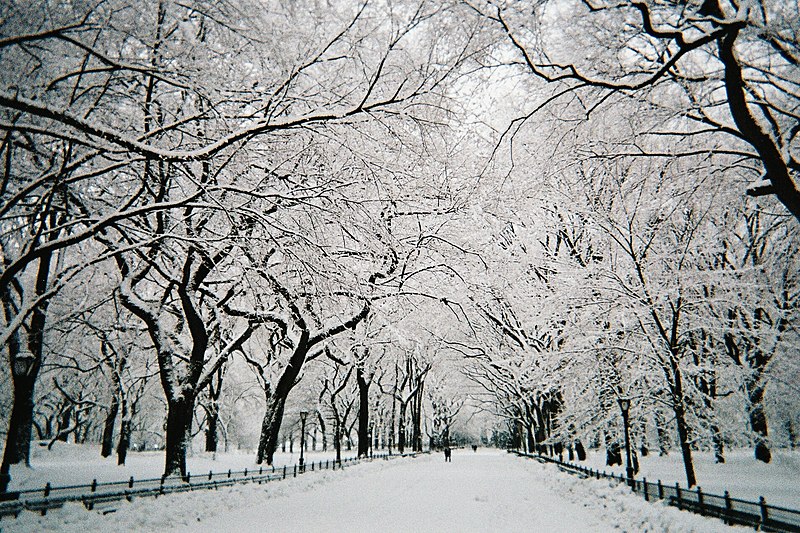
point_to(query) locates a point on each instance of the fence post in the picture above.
(47, 489)
(728, 507)
(700, 501)
(130, 483)
(644, 486)
(764, 515)
(660, 490)
(678, 495)
(284, 471)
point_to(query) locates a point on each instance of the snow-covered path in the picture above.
(424, 494)
(485, 491)
(489, 491)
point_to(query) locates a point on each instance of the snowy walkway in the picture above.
(472, 493)
(485, 491)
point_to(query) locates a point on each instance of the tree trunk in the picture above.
(758, 421)
(391, 424)
(791, 435)
(212, 420)
(686, 449)
(613, 453)
(108, 429)
(416, 426)
(179, 434)
(270, 428)
(531, 438)
(663, 433)
(719, 444)
(363, 413)
(401, 428)
(322, 429)
(337, 439)
(124, 441)
(680, 420)
(20, 426)
(580, 451)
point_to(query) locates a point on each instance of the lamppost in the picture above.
(303, 415)
(625, 405)
(23, 363)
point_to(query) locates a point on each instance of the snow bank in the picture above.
(741, 475)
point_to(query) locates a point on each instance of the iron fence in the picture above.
(732, 511)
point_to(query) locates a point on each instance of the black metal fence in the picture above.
(104, 497)
(732, 511)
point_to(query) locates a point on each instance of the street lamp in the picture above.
(625, 405)
(303, 415)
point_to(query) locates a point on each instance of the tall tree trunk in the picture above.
(391, 424)
(531, 438)
(124, 432)
(363, 413)
(679, 409)
(180, 411)
(401, 428)
(758, 421)
(337, 439)
(322, 429)
(18, 440)
(270, 429)
(663, 433)
(20, 425)
(273, 416)
(124, 441)
(212, 421)
(416, 414)
(580, 451)
(107, 447)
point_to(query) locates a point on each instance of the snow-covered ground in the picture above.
(485, 491)
(741, 475)
(73, 464)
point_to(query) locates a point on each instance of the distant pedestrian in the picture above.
(447, 455)
(474, 447)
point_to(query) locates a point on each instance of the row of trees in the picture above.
(639, 270)
(367, 211)
(186, 182)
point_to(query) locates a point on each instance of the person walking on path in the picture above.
(447, 455)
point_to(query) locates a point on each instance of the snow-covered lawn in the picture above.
(741, 475)
(72, 464)
(484, 491)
